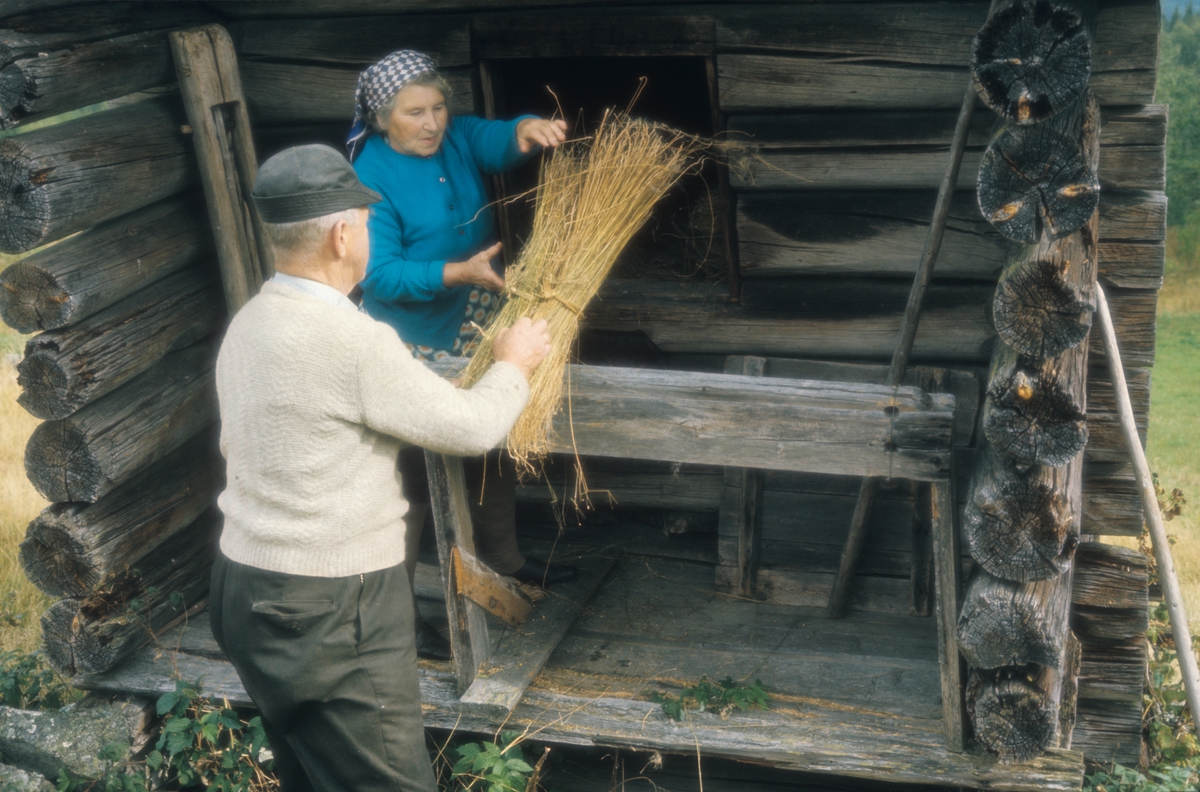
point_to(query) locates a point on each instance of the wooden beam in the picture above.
(357, 41)
(212, 93)
(506, 675)
(741, 499)
(947, 561)
(525, 36)
(495, 594)
(451, 508)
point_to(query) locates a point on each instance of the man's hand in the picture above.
(525, 344)
(540, 132)
(475, 271)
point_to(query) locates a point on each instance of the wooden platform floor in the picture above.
(857, 697)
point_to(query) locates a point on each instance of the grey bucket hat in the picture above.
(304, 182)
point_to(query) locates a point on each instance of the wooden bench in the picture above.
(731, 420)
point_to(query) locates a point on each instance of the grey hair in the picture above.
(430, 78)
(305, 235)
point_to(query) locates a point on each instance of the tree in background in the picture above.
(1179, 86)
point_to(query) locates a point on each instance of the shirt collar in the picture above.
(322, 292)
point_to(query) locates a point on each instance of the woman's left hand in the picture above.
(540, 132)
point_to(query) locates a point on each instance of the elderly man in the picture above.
(310, 598)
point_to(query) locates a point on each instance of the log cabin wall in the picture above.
(851, 106)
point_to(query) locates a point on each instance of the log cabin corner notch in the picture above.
(851, 106)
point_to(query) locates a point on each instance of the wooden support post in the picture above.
(212, 94)
(740, 500)
(497, 595)
(947, 560)
(452, 526)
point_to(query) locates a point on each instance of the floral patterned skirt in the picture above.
(481, 307)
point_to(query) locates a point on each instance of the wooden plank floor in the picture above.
(857, 697)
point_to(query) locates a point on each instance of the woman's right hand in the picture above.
(524, 345)
(475, 271)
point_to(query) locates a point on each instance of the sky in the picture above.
(1169, 6)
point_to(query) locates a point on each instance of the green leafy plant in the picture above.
(722, 697)
(27, 682)
(488, 767)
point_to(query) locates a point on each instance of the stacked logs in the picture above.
(1038, 187)
(127, 309)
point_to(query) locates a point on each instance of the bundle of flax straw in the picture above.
(592, 197)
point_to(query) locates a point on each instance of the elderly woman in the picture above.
(434, 265)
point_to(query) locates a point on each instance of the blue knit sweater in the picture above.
(434, 210)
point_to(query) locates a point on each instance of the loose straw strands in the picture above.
(593, 196)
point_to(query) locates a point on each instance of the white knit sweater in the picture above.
(315, 400)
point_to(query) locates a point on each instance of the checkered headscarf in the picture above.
(379, 83)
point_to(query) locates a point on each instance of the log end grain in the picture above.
(1003, 623)
(47, 388)
(18, 91)
(1031, 59)
(1020, 530)
(1033, 419)
(1038, 313)
(25, 222)
(60, 464)
(31, 298)
(54, 559)
(1011, 714)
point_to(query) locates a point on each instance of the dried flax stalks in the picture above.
(593, 196)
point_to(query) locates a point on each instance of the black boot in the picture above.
(430, 643)
(537, 571)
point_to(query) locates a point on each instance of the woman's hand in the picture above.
(540, 132)
(524, 345)
(475, 271)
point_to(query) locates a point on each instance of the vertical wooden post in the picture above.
(740, 499)
(211, 86)
(947, 559)
(452, 525)
(728, 199)
(500, 186)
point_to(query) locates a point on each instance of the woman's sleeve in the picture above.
(493, 144)
(390, 276)
(402, 398)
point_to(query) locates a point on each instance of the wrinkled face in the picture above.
(417, 123)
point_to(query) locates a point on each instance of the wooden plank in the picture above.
(452, 526)
(525, 36)
(882, 233)
(212, 94)
(286, 93)
(1109, 731)
(754, 82)
(70, 176)
(495, 594)
(357, 41)
(518, 658)
(947, 555)
(741, 500)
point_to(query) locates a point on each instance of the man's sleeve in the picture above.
(390, 276)
(401, 397)
(493, 144)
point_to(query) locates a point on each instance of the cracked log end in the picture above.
(1033, 419)
(1011, 715)
(18, 93)
(1038, 313)
(25, 222)
(53, 559)
(1035, 181)
(1003, 623)
(1031, 60)
(31, 299)
(1020, 530)
(48, 390)
(60, 464)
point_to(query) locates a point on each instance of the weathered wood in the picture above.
(741, 501)
(74, 550)
(1032, 58)
(1111, 597)
(1004, 623)
(921, 566)
(1110, 731)
(947, 561)
(1042, 180)
(1110, 504)
(451, 508)
(517, 660)
(490, 591)
(82, 457)
(754, 83)
(1034, 412)
(89, 272)
(23, 33)
(65, 369)
(286, 93)
(1022, 523)
(525, 36)
(71, 176)
(357, 41)
(212, 94)
(1015, 711)
(882, 233)
(50, 82)
(91, 635)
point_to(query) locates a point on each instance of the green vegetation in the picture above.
(720, 697)
(1179, 86)
(27, 682)
(487, 767)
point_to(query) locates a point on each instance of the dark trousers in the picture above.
(331, 664)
